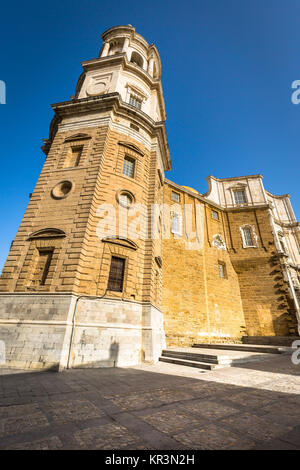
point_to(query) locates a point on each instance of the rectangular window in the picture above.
(248, 239)
(42, 267)
(116, 274)
(222, 270)
(73, 157)
(128, 168)
(134, 101)
(176, 224)
(215, 215)
(175, 197)
(240, 197)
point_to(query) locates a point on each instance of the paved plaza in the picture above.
(157, 407)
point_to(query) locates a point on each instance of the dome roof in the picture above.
(191, 189)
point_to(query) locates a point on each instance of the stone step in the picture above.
(188, 363)
(215, 356)
(243, 347)
(270, 340)
(192, 356)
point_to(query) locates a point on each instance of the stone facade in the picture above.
(192, 267)
(258, 294)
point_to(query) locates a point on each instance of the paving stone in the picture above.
(213, 437)
(111, 436)
(74, 410)
(136, 401)
(22, 424)
(171, 421)
(154, 406)
(209, 409)
(257, 428)
(51, 443)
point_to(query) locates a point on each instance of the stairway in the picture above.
(216, 356)
(270, 340)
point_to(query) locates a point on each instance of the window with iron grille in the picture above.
(134, 101)
(128, 168)
(116, 274)
(240, 197)
(248, 239)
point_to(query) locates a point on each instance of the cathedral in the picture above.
(113, 262)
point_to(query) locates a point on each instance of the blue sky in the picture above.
(228, 66)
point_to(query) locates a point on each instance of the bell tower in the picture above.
(83, 276)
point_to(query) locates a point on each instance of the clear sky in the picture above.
(227, 70)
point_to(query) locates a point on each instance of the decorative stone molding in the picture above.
(137, 92)
(47, 233)
(218, 242)
(126, 242)
(131, 146)
(98, 84)
(253, 236)
(80, 136)
(125, 192)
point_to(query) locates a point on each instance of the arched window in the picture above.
(137, 59)
(115, 47)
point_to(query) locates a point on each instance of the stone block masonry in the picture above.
(56, 331)
(75, 295)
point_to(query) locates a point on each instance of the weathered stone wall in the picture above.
(81, 261)
(34, 329)
(254, 297)
(115, 333)
(198, 305)
(264, 290)
(55, 331)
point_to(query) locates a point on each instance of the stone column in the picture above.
(105, 49)
(125, 45)
(150, 66)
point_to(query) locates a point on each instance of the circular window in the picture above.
(125, 198)
(62, 189)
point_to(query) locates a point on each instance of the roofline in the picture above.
(234, 177)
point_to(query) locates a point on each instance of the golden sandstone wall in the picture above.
(263, 288)
(81, 261)
(252, 299)
(57, 329)
(197, 304)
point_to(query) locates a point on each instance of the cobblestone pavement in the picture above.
(157, 407)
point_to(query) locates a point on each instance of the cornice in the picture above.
(294, 224)
(121, 59)
(282, 196)
(114, 102)
(202, 198)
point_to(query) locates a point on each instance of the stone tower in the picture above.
(80, 288)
